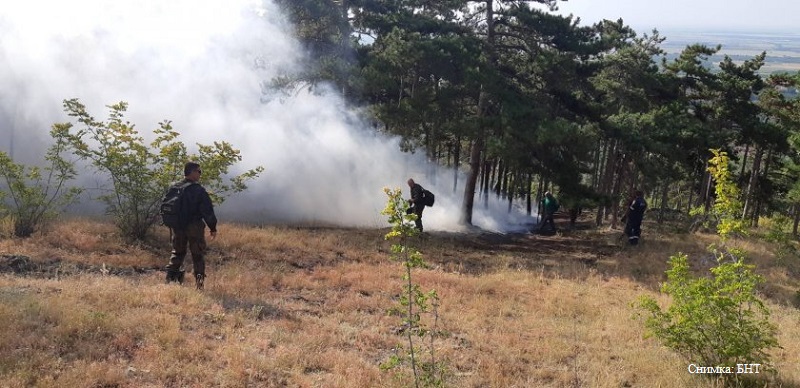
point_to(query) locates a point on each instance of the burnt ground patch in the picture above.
(21, 265)
(478, 251)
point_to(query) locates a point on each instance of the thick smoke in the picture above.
(202, 66)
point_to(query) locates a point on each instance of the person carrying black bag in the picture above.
(195, 212)
(417, 202)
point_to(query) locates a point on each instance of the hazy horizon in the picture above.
(691, 16)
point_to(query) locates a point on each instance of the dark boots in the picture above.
(199, 279)
(175, 276)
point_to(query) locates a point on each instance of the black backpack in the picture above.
(428, 197)
(174, 212)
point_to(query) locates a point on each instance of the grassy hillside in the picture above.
(308, 307)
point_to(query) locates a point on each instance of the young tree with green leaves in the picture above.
(715, 320)
(38, 195)
(140, 173)
(414, 303)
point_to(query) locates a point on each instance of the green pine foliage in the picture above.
(509, 90)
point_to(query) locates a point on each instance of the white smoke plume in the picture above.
(201, 65)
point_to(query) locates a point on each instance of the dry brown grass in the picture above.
(308, 307)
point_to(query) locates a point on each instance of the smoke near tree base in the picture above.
(203, 65)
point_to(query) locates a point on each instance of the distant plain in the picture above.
(783, 49)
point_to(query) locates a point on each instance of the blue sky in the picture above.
(694, 15)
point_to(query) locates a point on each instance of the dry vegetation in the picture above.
(308, 307)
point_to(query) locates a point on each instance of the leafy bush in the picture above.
(719, 320)
(726, 213)
(141, 173)
(700, 220)
(727, 207)
(778, 233)
(38, 195)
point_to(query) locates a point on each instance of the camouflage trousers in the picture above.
(193, 237)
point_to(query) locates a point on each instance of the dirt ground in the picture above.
(571, 252)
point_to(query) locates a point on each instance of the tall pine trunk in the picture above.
(615, 191)
(491, 165)
(744, 164)
(472, 180)
(664, 194)
(758, 198)
(752, 183)
(503, 182)
(598, 167)
(480, 140)
(529, 183)
(456, 162)
(606, 181)
(512, 184)
(539, 194)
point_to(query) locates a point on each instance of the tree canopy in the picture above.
(526, 100)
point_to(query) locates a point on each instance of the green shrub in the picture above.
(727, 207)
(778, 233)
(38, 195)
(140, 173)
(715, 321)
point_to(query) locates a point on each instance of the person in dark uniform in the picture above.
(633, 224)
(417, 202)
(199, 213)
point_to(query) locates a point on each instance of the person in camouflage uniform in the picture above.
(200, 213)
